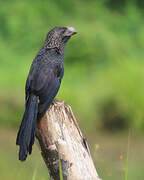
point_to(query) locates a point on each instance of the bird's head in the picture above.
(58, 37)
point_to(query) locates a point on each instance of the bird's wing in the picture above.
(45, 82)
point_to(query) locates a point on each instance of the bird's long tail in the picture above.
(26, 134)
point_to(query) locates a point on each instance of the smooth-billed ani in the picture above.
(42, 85)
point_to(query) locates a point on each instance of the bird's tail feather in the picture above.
(26, 134)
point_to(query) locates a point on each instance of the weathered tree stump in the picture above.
(60, 138)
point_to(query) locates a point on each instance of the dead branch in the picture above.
(59, 136)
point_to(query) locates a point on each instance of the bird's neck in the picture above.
(55, 55)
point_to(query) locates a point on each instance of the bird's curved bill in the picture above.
(71, 31)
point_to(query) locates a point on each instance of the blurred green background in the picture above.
(103, 82)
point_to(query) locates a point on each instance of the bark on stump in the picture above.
(60, 138)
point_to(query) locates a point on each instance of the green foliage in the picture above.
(104, 61)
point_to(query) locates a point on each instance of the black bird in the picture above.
(42, 85)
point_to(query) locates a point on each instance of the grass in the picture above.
(110, 156)
(60, 168)
(127, 157)
(108, 152)
(34, 173)
(11, 168)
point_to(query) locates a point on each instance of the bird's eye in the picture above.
(63, 30)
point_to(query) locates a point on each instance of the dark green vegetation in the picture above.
(104, 72)
(104, 62)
